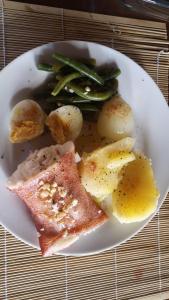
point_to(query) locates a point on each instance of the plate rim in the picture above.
(122, 241)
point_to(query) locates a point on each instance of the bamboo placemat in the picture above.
(138, 269)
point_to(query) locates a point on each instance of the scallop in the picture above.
(26, 122)
(116, 119)
(65, 123)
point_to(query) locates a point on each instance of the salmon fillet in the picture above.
(60, 206)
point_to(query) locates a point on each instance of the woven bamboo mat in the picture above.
(138, 269)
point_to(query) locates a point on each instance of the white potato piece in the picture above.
(26, 122)
(99, 169)
(65, 123)
(136, 196)
(115, 120)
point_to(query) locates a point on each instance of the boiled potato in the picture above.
(65, 123)
(99, 169)
(116, 119)
(136, 195)
(117, 159)
(89, 139)
(27, 121)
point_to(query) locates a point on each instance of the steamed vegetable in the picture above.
(93, 95)
(80, 67)
(63, 81)
(111, 74)
(78, 82)
(65, 123)
(115, 120)
(50, 68)
(26, 122)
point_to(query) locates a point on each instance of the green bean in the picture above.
(111, 74)
(44, 67)
(93, 96)
(59, 76)
(112, 83)
(88, 107)
(82, 68)
(80, 100)
(91, 62)
(66, 99)
(64, 81)
(57, 67)
(50, 68)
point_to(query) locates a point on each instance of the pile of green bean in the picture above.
(78, 83)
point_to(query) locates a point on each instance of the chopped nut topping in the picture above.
(62, 226)
(61, 201)
(62, 191)
(47, 190)
(53, 191)
(55, 208)
(74, 202)
(65, 234)
(60, 215)
(46, 186)
(49, 200)
(44, 194)
(41, 183)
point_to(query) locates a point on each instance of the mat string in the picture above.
(66, 262)
(66, 279)
(116, 272)
(5, 233)
(116, 30)
(5, 266)
(159, 250)
(162, 52)
(62, 22)
(3, 33)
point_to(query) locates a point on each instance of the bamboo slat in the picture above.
(138, 269)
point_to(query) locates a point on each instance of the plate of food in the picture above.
(84, 149)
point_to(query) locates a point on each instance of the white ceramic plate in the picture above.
(21, 77)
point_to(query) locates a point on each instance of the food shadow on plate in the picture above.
(29, 93)
(70, 50)
(22, 94)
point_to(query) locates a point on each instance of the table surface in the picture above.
(35, 279)
(110, 7)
